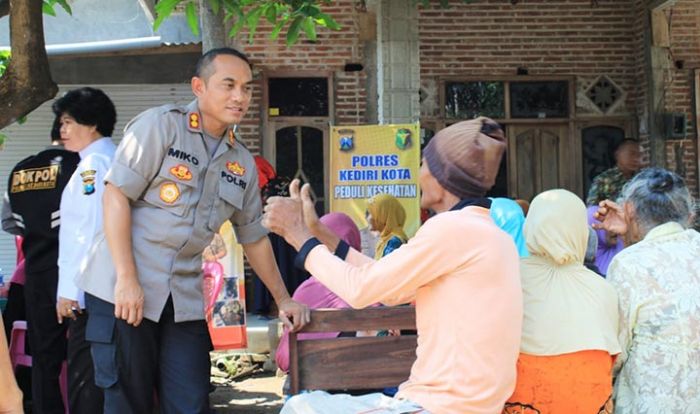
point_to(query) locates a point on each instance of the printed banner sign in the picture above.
(372, 159)
(224, 290)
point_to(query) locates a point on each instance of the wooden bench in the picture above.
(353, 363)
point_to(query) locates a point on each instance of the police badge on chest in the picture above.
(88, 181)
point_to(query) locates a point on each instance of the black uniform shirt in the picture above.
(32, 204)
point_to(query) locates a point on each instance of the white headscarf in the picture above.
(568, 308)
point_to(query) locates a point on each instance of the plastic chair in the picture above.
(18, 338)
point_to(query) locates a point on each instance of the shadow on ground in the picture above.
(260, 394)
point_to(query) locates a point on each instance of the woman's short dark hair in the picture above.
(88, 106)
(56, 129)
(658, 196)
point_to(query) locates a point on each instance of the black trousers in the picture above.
(133, 363)
(84, 397)
(47, 340)
(15, 310)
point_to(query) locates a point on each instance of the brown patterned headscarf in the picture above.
(464, 158)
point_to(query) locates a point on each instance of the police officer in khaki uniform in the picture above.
(178, 174)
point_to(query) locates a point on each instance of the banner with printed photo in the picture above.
(372, 159)
(224, 290)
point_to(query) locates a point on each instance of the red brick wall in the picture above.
(489, 37)
(684, 20)
(332, 51)
(565, 37)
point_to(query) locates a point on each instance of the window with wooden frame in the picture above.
(530, 108)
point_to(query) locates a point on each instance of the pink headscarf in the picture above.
(313, 293)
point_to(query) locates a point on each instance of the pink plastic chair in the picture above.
(17, 344)
(18, 338)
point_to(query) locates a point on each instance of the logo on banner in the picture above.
(403, 138)
(346, 140)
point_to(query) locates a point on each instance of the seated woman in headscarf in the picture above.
(609, 244)
(509, 217)
(313, 293)
(386, 216)
(570, 323)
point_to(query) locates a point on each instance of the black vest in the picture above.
(34, 188)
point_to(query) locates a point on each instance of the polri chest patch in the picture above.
(169, 192)
(181, 172)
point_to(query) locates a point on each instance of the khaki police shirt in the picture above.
(179, 198)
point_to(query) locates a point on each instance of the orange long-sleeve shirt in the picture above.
(463, 273)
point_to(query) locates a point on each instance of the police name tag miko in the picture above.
(34, 179)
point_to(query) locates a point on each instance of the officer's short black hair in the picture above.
(56, 129)
(204, 65)
(89, 106)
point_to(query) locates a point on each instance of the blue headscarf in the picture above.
(509, 217)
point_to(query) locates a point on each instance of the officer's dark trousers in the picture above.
(47, 339)
(133, 362)
(84, 397)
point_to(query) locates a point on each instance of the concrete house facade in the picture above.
(567, 78)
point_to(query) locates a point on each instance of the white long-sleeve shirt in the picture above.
(81, 215)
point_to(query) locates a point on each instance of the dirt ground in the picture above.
(258, 394)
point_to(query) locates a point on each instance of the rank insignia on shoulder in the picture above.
(88, 177)
(169, 192)
(181, 172)
(194, 120)
(235, 168)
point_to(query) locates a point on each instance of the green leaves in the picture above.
(294, 15)
(164, 8)
(47, 7)
(293, 32)
(192, 18)
(4, 61)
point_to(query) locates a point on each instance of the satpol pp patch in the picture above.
(169, 192)
(88, 177)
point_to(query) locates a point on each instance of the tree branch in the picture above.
(27, 81)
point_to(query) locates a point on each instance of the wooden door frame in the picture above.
(270, 125)
(626, 123)
(264, 107)
(270, 153)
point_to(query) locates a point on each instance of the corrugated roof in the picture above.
(104, 21)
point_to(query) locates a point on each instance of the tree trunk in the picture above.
(27, 81)
(213, 27)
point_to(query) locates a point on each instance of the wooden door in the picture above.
(539, 159)
(299, 150)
